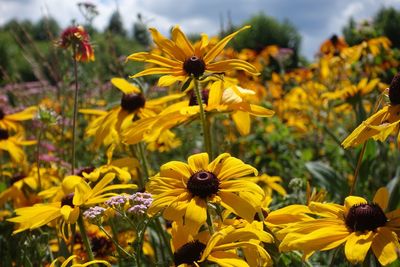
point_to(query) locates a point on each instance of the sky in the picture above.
(316, 20)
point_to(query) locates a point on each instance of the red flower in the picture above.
(78, 39)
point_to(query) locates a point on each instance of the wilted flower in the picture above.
(78, 39)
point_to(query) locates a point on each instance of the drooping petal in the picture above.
(196, 214)
(385, 246)
(125, 86)
(357, 246)
(237, 205)
(242, 122)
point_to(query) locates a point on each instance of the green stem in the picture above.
(204, 124)
(113, 239)
(85, 238)
(75, 113)
(164, 238)
(145, 164)
(360, 157)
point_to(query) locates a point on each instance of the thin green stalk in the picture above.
(85, 238)
(119, 248)
(75, 112)
(145, 164)
(360, 157)
(164, 238)
(204, 124)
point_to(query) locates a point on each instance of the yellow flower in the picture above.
(182, 190)
(106, 128)
(12, 144)
(182, 59)
(349, 91)
(11, 122)
(72, 258)
(381, 124)
(359, 225)
(217, 99)
(269, 184)
(221, 247)
(75, 193)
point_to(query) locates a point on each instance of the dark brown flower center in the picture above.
(16, 178)
(2, 114)
(87, 170)
(189, 253)
(203, 184)
(101, 246)
(394, 90)
(195, 66)
(67, 200)
(132, 102)
(204, 97)
(4, 134)
(365, 217)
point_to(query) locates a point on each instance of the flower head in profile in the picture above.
(181, 59)
(182, 190)
(381, 124)
(13, 145)
(358, 224)
(222, 247)
(76, 38)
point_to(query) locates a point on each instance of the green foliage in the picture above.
(266, 30)
(140, 31)
(115, 26)
(46, 29)
(387, 22)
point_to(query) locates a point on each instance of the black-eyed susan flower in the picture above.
(219, 97)
(11, 122)
(221, 247)
(13, 145)
(73, 194)
(107, 127)
(181, 58)
(359, 225)
(381, 124)
(182, 190)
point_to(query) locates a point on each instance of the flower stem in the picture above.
(75, 112)
(164, 237)
(360, 157)
(203, 119)
(85, 238)
(113, 239)
(145, 164)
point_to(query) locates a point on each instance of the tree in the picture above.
(140, 31)
(266, 30)
(387, 23)
(115, 26)
(46, 29)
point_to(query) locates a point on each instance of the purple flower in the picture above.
(93, 214)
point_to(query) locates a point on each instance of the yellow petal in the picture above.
(385, 246)
(351, 201)
(198, 162)
(196, 214)
(237, 205)
(232, 64)
(125, 86)
(382, 197)
(182, 42)
(217, 49)
(357, 246)
(242, 122)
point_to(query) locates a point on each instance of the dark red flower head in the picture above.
(77, 38)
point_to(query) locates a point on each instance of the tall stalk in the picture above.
(203, 119)
(75, 111)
